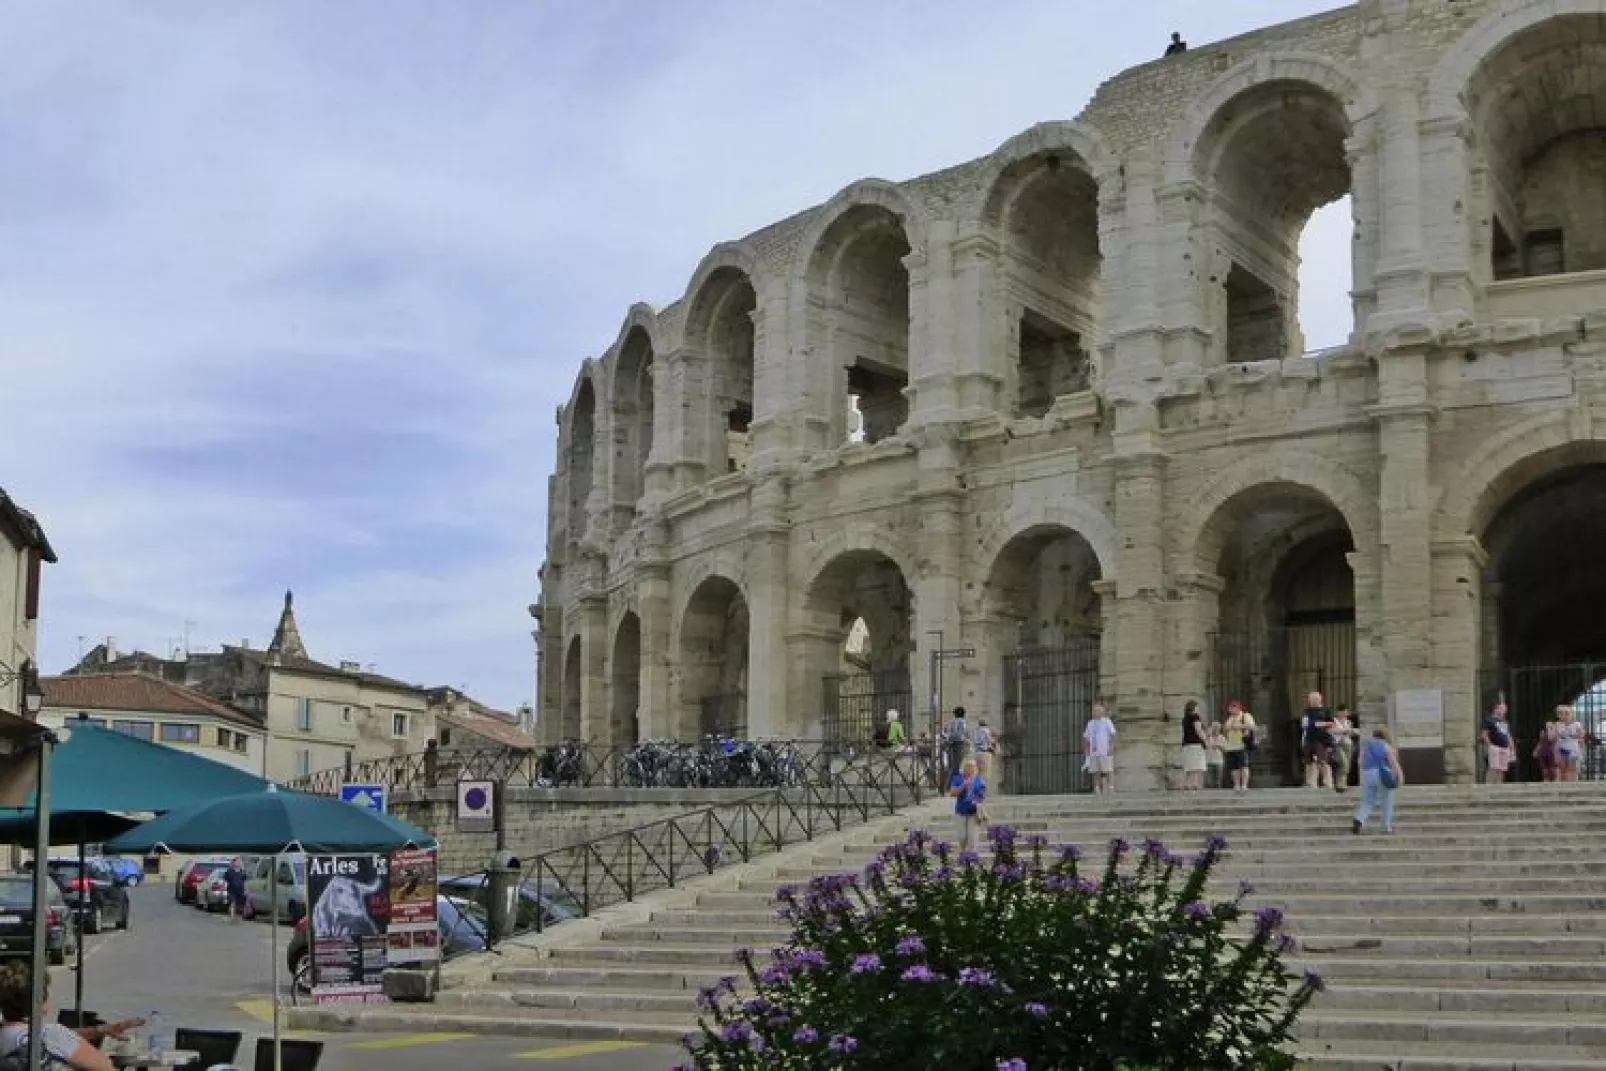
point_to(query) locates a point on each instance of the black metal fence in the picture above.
(580, 879)
(856, 704)
(1532, 694)
(1050, 696)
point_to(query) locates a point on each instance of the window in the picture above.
(304, 715)
(93, 723)
(345, 714)
(303, 762)
(241, 741)
(446, 737)
(398, 726)
(180, 734)
(224, 738)
(144, 730)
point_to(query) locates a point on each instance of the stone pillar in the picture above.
(768, 607)
(939, 584)
(778, 390)
(1371, 637)
(977, 327)
(1457, 627)
(1185, 277)
(670, 419)
(1137, 699)
(932, 392)
(813, 650)
(655, 716)
(1492, 592)
(1401, 276)
(1193, 617)
(1360, 149)
(1454, 237)
(594, 707)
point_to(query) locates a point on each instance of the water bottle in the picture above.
(153, 1036)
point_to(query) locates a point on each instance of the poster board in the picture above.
(414, 935)
(348, 914)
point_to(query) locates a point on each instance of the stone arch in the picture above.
(624, 719)
(866, 193)
(721, 359)
(816, 555)
(631, 417)
(712, 644)
(1505, 462)
(579, 451)
(703, 569)
(644, 318)
(1077, 140)
(1070, 512)
(1199, 536)
(1504, 24)
(571, 717)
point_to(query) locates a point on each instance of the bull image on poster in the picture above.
(348, 913)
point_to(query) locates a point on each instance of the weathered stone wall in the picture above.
(1208, 466)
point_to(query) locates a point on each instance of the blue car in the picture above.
(126, 871)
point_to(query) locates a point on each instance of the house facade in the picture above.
(150, 708)
(24, 551)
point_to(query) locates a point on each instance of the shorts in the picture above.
(1237, 760)
(1193, 758)
(1101, 764)
(1566, 757)
(1316, 754)
(1500, 758)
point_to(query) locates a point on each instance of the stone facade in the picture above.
(1057, 400)
(24, 551)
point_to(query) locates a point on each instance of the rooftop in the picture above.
(136, 692)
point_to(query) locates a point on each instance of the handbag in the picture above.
(1251, 742)
(1385, 774)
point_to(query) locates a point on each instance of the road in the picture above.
(205, 971)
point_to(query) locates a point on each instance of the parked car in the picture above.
(16, 920)
(291, 875)
(127, 871)
(462, 927)
(192, 874)
(212, 892)
(549, 905)
(92, 891)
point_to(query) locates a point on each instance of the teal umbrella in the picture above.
(271, 823)
(104, 782)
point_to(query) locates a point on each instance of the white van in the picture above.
(291, 875)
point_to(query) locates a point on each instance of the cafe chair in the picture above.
(295, 1055)
(215, 1046)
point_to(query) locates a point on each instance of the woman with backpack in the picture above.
(1380, 776)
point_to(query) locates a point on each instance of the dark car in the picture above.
(16, 920)
(93, 891)
(548, 905)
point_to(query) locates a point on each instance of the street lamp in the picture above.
(33, 693)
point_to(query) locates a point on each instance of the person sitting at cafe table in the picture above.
(61, 1047)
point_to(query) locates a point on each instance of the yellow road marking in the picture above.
(262, 1012)
(409, 1041)
(589, 1048)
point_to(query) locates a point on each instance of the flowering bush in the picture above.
(932, 958)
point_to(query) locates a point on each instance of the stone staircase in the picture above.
(1473, 938)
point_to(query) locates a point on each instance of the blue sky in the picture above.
(290, 291)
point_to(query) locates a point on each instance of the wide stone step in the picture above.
(1383, 969)
(687, 956)
(1510, 998)
(1460, 1028)
(382, 1019)
(683, 916)
(607, 975)
(1449, 847)
(663, 1006)
(706, 932)
(1366, 1055)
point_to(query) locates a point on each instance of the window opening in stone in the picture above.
(1544, 252)
(1273, 156)
(632, 422)
(582, 432)
(1326, 318)
(858, 644)
(1507, 256)
(722, 334)
(1052, 363)
(569, 726)
(738, 440)
(624, 725)
(713, 661)
(876, 396)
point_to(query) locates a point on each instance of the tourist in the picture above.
(1569, 743)
(1193, 747)
(1343, 734)
(956, 740)
(982, 744)
(1316, 742)
(234, 883)
(1497, 745)
(1177, 45)
(1213, 756)
(969, 792)
(61, 1047)
(1099, 737)
(1380, 776)
(1237, 742)
(1545, 751)
(895, 734)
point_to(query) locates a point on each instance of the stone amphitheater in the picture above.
(1050, 413)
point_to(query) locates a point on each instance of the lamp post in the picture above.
(33, 701)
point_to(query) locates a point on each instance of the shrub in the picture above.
(931, 958)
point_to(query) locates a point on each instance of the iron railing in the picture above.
(651, 764)
(856, 705)
(1532, 694)
(580, 879)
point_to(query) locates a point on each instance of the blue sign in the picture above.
(370, 798)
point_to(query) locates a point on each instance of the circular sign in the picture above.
(474, 798)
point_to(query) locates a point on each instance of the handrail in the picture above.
(760, 764)
(582, 878)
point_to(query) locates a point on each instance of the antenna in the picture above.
(189, 626)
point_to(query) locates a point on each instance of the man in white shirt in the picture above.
(1099, 737)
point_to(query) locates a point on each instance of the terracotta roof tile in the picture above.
(136, 692)
(492, 728)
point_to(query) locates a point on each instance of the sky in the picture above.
(290, 291)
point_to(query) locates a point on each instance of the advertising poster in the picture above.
(413, 935)
(348, 899)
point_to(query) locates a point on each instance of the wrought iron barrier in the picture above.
(580, 879)
(1051, 695)
(1532, 694)
(650, 764)
(856, 705)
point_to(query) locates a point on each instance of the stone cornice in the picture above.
(1396, 410)
(1466, 546)
(979, 246)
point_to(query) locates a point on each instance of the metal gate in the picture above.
(1049, 696)
(855, 703)
(1532, 694)
(1271, 672)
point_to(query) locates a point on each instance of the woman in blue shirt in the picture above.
(968, 790)
(1380, 776)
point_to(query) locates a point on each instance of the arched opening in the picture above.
(632, 421)
(582, 446)
(1047, 210)
(625, 718)
(1543, 589)
(721, 332)
(860, 284)
(1272, 157)
(573, 690)
(713, 661)
(861, 614)
(1285, 614)
(1041, 608)
(1538, 106)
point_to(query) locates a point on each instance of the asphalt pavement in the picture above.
(207, 971)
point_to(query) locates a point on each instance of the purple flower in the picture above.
(1267, 919)
(1016, 1064)
(1153, 848)
(1314, 982)
(1010, 871)
(968, 858)
(778, 1017)
(707, 998)
(736, 1031)
(1198, 911)
(975, 976)
(842, 1043)
(919, 973)
(806, 1035)
(1070, 853)
(774, 974)
(808, 959)
(1172, 859)
(755, 1005)
(786, 894)
(1085, 886)
(1216, 843)
(1036, 840)
(1286, 943)
(910, 880)
(865, 963)
(1036, 1010)
(728, 983)
(1246, 887)
(911, 945)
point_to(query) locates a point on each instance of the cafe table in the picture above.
(143, 1060)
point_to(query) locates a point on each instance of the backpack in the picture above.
(981, 739)
(16, 1059)
(956, 731)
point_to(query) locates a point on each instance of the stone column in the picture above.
(1138, 700)
(1491, 592)
(594, 706)
(932, 392)
(655, 715)
(1371, 636)
(670, 419)
(1360, 149)
(1458, 566)
(977, 326)
(768, 606)
(1192, 619)
(939, 584)
(1450, 218)
(1185, 277)
(1401, 276)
